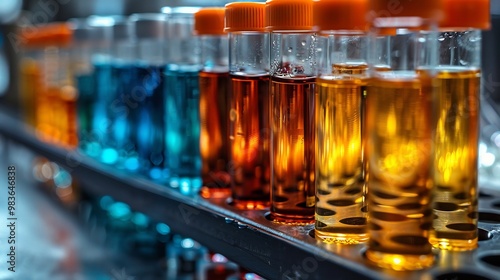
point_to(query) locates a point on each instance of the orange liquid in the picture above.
(29, 83)
(214, 138)
(292, 151)
(398, 117)
(56, 111)
(249, 140)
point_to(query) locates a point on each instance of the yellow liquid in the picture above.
(455, 160)
(398, 126)
(292, 156)
(340, 187)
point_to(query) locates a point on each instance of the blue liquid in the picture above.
(118, 146)
(148, 121)
(183, 129)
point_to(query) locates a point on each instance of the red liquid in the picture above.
(292, 152)
(249, 140)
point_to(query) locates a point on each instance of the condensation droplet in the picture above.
(290, 49)
(303, 43)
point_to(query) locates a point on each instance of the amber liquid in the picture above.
(455, 160)
(214, 138)
(340, 187)
(56, 112)
(249, 141)
(56, 116)
(29, 86)
(292, 150)
(398, 117)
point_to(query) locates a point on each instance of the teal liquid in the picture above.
(85, 103)
(116, 122)
(182, 122)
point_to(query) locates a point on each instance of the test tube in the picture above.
(214, 107)
(402, 60)
(182, 98)
(341, 90)
(30, 76)
(249, 104)
(55, 100)
(148, 92)
(293, 77)
(84, 36)
(456, 120)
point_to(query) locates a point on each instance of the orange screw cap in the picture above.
(340, 15)
(464, 14)
(209, 21)
(430, 9)
(289, 15)
(245, 16)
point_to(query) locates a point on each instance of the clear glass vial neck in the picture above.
(341, 54)
(460, 50)
(150, 32)
(214, 53)
(292, 54)
(183, 46)
(402, 46)
(249, 53)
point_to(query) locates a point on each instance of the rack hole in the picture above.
(496, 205)
(484, 195)
(483, 234)
(280, 199)
(493, 260)
(491, 218)
(461, 276)
(312, 233)
(268, 216)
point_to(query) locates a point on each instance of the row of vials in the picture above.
(361, 116)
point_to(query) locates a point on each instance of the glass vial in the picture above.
(293, 77)
(113, 91)
(30, 75)
(56, 99)
(402, 60)
(249, 105)
(96, 93)
(456, 117)
(214, 108)
(147, 118)
(341, 88)
(182, 99)
(84, 37)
